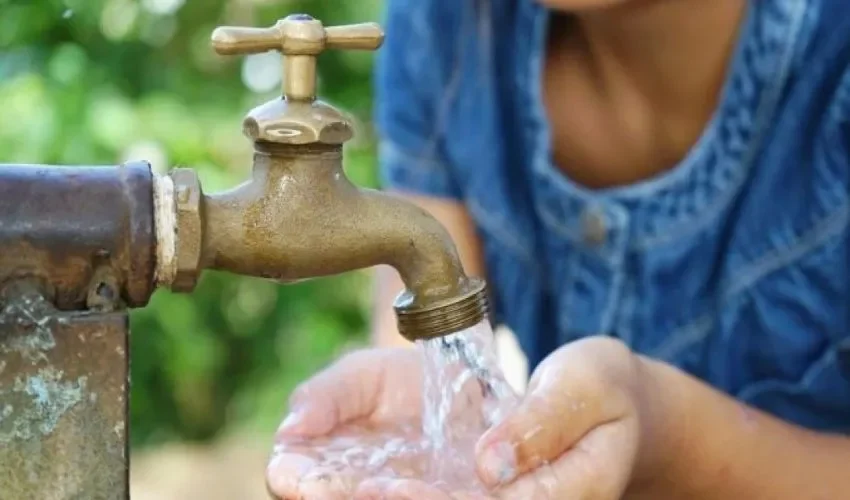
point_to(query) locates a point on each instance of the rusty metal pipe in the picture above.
(86, 233)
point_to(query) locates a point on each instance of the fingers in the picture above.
(597, 468)
(296, 477)
(570, 396)
(398, 489)
(283, 473)
(348, 389)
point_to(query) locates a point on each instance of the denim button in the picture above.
(593, 227)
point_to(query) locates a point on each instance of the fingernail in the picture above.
(291, 421)
(499, 463)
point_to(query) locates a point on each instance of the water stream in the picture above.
(465, 393)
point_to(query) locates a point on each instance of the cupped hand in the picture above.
(586, 429)
(359, 416)
(579, 431)
(362, 418)
(577, 434)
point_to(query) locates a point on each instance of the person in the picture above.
(659, 194)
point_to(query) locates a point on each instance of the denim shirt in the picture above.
(734, 265)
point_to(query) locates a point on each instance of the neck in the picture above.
(672, 53)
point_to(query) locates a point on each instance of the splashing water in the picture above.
(465, 394)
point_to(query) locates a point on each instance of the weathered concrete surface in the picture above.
(63, 405)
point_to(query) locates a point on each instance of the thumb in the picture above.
(347, 390)
(567, 400)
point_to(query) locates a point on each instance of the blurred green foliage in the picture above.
(104, 81)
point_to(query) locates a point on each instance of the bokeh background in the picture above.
(104, 81)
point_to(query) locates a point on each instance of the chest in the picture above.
(734, 266)
(604, 134)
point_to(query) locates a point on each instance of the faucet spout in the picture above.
(300, 217)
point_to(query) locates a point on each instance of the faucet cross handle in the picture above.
(300, 39)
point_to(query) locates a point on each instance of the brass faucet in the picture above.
(299, 216)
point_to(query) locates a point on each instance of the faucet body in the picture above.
(299, 216)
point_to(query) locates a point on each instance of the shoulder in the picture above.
(420, 34)
(822, 56)
(433, 39)
(818, 88)
(829, 72)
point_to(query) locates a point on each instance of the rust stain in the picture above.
(63, 225)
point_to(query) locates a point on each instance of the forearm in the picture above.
(715, 447)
